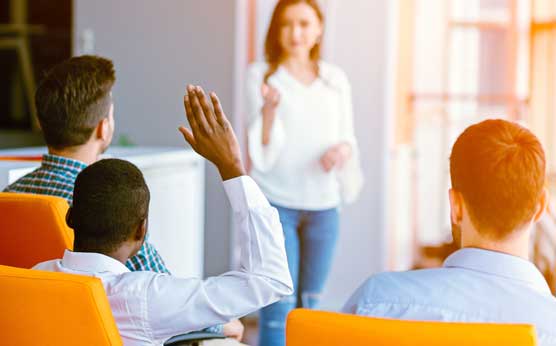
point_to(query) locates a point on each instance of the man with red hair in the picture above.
(498, 177)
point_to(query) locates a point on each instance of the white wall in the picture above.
(158, 47)
(357, 42)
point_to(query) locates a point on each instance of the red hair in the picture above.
(272, 46)
(499, 169)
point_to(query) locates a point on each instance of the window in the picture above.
(461, 61)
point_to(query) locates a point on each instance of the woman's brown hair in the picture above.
(272, 46)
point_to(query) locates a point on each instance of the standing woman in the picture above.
(303, 150)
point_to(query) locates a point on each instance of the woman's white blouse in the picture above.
(309, 120)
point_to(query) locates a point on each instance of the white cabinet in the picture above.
(175, 178)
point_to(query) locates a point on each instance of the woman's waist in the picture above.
(300, 177)
(299, 188)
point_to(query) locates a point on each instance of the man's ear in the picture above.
(141, 231)
(69, 217)
(456, 206)
(102, 131)
(542, 205)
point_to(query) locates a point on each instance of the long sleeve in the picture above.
(178, 305)
(347, 132)
(350, 175)
(263, 156)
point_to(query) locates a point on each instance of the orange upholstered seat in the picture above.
(43, 308)
(310, 327)
(32, 229)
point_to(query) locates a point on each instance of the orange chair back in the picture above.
(43, 308)
(310, 327)
(32, 229)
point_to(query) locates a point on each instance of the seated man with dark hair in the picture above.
(76, 113)
(498, 192)
(110, 217)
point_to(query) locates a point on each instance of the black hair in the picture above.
(110, 202)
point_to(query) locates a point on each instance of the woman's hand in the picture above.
(234, 329)
(271, 98)
(335, 157)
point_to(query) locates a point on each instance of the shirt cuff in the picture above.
(244, 194)
(218, 329)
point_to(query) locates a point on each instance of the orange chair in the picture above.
(32, 229)
(310, 327)
(43, 308)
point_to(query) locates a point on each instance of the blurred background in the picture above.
(421, 71)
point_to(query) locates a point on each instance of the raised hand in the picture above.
(271, 98)
(211, 134)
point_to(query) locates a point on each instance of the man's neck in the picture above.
(83, 153)
(124, 252)
(120, 256)
(516, 244)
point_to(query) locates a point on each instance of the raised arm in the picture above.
(182, 305)
(271, 98)
(266, 131)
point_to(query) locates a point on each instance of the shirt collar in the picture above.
(55, 162)
(498, 264)
(91, 262)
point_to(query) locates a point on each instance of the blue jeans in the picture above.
(310, 242)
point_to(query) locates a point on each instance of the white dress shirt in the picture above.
(309, 120)
(474, 285)
(149, 307)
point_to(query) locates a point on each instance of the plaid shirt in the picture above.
(56, 177)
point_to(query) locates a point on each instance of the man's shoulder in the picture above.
(450, 290)
(42, 181)
(22, 182)
(43, 176)
(155, 286)
(410, 277)
(407, 286)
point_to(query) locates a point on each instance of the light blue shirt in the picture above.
(474, 285)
